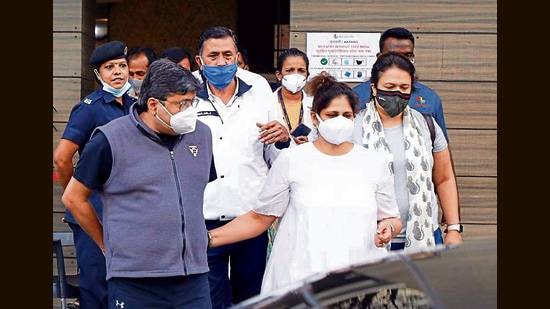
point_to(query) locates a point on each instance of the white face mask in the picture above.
(136, 84)
(294, 82)
(116, 92)
(182, 122)
(336, 130)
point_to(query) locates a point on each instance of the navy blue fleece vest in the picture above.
(152, 203)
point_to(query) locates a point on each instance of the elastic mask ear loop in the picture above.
(98, 76)
(164, 108)
(160, 119)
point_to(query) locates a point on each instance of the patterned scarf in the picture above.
(419, 233)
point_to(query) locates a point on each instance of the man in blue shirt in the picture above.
(423, 98)
(108, 102)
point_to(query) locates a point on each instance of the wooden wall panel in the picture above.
(468, 105)
(60, 127)
(376, 16)
(65, 90)
(456, 57)
(67, 15)
(56, 202)
(74, 16)
(474, 232)
(474, 152)
(442, 57)
(67, 56)
(71, 52)
(478, 199)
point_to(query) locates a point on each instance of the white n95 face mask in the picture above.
(293, 82)
(181, 122)
(336, 130)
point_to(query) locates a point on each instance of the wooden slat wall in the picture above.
(73, 41)
(456, 43)
(71, 16)
(425, 16)
(477, 98)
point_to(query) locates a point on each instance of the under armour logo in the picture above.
(121, 304)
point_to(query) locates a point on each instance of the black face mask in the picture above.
(393, 102)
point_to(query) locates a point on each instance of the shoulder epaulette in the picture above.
(89, 99)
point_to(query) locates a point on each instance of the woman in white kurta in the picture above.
(335, 199)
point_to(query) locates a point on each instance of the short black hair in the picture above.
(146, 50)
(176, 54)
(398, 33)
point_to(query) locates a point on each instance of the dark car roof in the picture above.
(463, 276)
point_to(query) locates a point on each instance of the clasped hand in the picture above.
(272, 132)
(383, 234)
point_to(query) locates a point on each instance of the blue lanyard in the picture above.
(285, 114)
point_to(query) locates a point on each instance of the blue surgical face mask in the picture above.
(115, 92)
(219, 76)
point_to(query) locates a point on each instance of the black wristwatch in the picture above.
(454, 227)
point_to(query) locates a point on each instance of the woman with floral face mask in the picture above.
(335, 199)
(293, 103)
(420, 168)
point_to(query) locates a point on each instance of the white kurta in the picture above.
(329, 207)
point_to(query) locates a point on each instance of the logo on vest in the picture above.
(194, 149)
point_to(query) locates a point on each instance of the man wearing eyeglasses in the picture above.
(151, 167)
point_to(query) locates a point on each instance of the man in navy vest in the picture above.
(111, 100)
(151, 168)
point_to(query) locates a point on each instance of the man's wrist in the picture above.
(210, 240)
